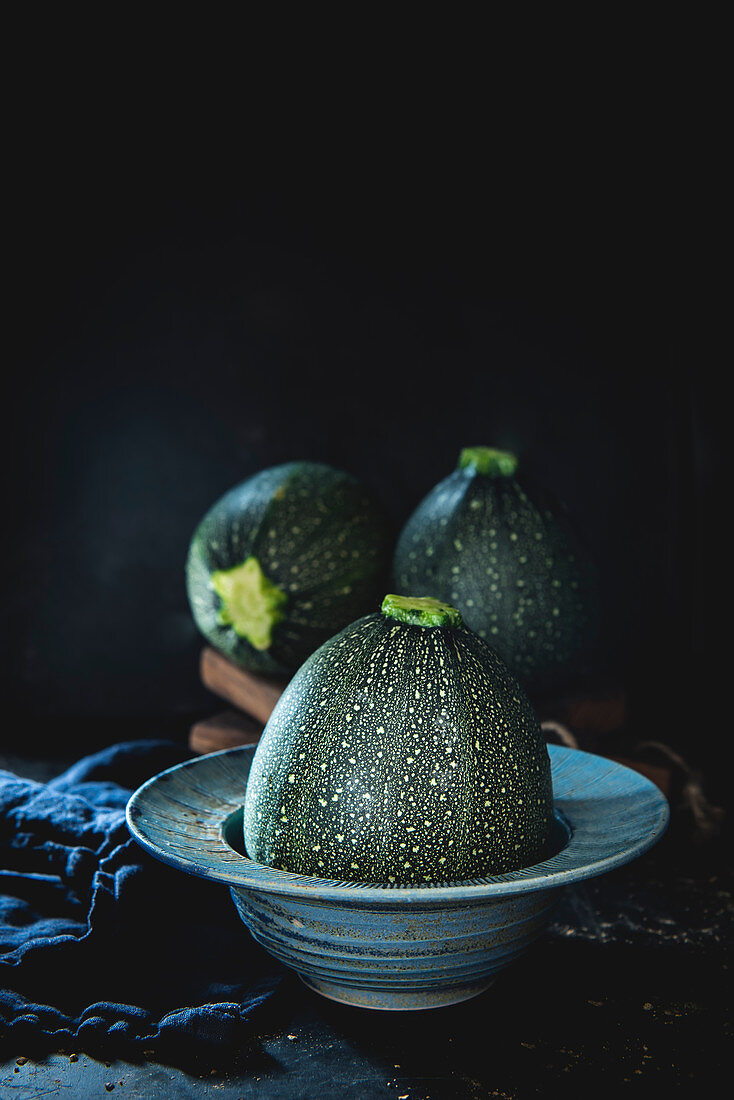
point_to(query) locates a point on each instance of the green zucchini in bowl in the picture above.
(403, 751)
(284, 560)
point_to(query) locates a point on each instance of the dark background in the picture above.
(196, 298)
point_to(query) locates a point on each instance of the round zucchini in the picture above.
(403, 751)
(283, 561)
(506, 554)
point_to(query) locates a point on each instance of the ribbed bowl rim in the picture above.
(612, 813)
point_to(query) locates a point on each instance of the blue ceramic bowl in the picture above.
(395, 947)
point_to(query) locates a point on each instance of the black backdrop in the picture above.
(374, 302)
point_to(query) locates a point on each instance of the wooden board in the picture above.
(589, 719)
(227, 730)
(254, 695)
(588, 716)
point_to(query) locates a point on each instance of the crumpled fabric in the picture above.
(101, 945)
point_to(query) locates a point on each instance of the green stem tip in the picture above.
(489, 461)
(420, 611)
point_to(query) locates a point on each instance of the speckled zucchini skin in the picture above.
(506, 555)
(400, 754)
(318, 534)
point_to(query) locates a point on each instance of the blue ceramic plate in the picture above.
(190, 817)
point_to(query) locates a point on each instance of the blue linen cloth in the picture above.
(101, 944)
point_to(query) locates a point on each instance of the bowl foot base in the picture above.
(394, 1000)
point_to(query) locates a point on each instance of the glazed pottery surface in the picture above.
(393, 947)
